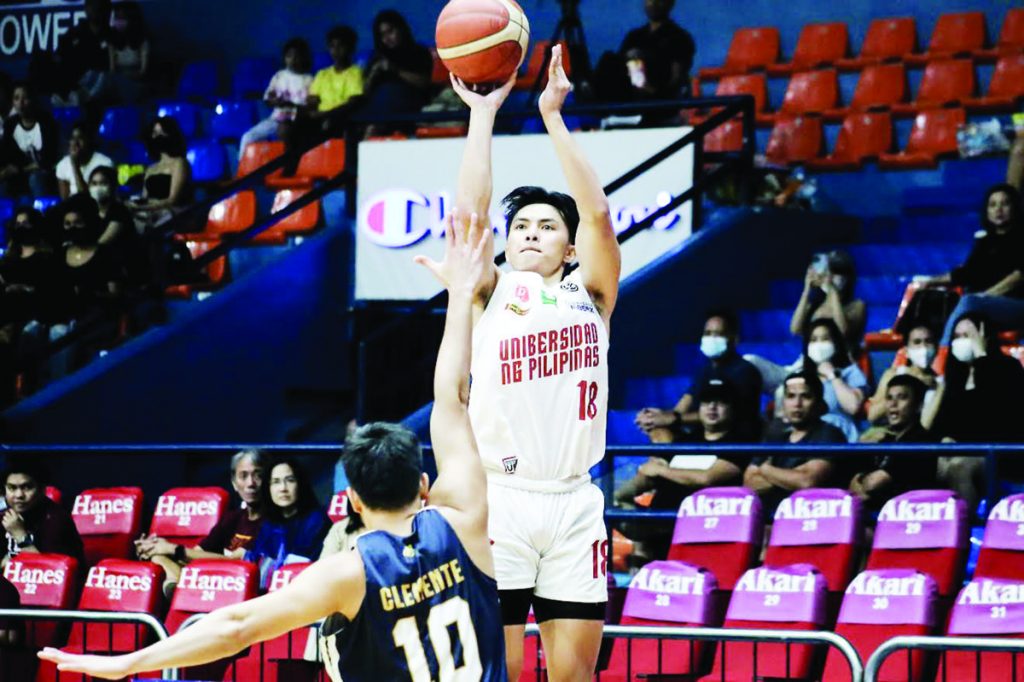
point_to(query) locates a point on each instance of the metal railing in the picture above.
(978, 645)
(111, 617)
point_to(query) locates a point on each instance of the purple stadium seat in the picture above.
(1002, 547)
(988, 608)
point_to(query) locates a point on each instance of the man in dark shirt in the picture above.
(659, 55)
(718, 345)
(234, 533)
(83, 51)
(32, 521)
(894, 474)
(775, 477)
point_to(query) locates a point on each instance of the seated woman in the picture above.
(167, 184)
(993, 274)
(30, 148)
(826, 354)
(921, 349)
(398, 76)
(294, 525)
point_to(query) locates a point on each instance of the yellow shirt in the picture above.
(334, 88)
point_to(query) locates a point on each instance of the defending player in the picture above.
(540, 389)
(417, 602)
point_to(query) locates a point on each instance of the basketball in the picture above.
(482, 41)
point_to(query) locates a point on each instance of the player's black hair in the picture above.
(27, 466)
(305, 496)
(916, 386)
(526, 195)
(383, 463)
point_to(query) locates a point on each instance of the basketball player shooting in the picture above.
(540, 388)
(417, 602)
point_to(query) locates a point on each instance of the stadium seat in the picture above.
(727, 137)
(234, 214)
(668, 594)
(439, 74)
(443, 132)
(306, 219)
(933, 135)
(216, 272)
(45, 203)
(881, 86)
(622, 429)
(323, 162)
(252, 75)
(44, 581)
(1002, 547)
(535, 63)
(118, 585)
(879, 605)
(818, 45)
(924, 530)
(1005, 89)
(185, 113)
(209, 160)
(186, 515)
(989, 608)
(795, 140)
(337, 510)
(810, 92)
(259, 154)
(1011, 36)
(820, 527)
(749, 50)
(787, 598)
(109, 520)
(948, 82)
(956, 34)
(199, 80)
(864, 135)
(121, 124)
(754, 84)
(720, 530)
(232, 118)
(887, 39)
(66, 118)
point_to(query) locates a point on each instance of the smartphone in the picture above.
(637, 74)
(820, 263)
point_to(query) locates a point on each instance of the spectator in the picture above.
(343, 535)
(92, 276)
(33, 522)
(10, 628)
(167, 183)
(84, 57)
(128, 51)
(895, 474)
(295, 526)
(993, 275)
(920, 348)
(398, 76)
(825, 353)
(287, 92)
(718, 345)
(29, 147)
(234, 533)
(73, 170)
(117, 230)
(336, 89)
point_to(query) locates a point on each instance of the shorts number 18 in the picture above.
(588, 399)
(599, 554)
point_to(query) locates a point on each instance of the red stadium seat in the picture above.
(753, 84)
(1006, 87)
(118, 585)
(788, 598)
(810, 92)
(44, 581)
(186, 515)
(956, 34)
(535, 63)
(820, 527)
(720, 530)
(337, 510)
(881, 86)
(863, 136)
(891, 38)
(216, 271)
(234, 214)
(1015, 352)
(924, 530)
(880, 605)
(1002, 547)
(439, 74)
(109, 520)
(441, 132)
(751, 49)
(1011, 37)
(323, 162)
(818, 45)
(795, 140)
(945, 83)
(258, 154)
(54, 493)
(933, 135)
(304, 220)
(987, 608)
(727, 137)
(665, 593)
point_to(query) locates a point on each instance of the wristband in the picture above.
(27, 542)
(179, 554)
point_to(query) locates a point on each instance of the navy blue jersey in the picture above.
(429, 614)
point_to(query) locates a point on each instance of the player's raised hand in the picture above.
(104, 667)
(559, 86)
(466, 255)
(491, 101)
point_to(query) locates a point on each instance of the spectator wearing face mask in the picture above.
(920, 349)
(828, 295)
(73, 170)
(826, 354)
(718, 345)
(167, 185)
(92, 277)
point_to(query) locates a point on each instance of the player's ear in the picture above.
(570, 254)
(424, 486)
(355, 502)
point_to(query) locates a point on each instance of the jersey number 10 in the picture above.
(588, 399)
(454, 611)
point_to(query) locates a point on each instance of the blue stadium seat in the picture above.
(662, 391)
(121, 124)
(231, 118)
(185, 113)
(785, 293)
(199, 80)
(7, 207)
(252, 75)
(881, 317)
(780, 352)
(766, 325)
(209, 160)
(44, 204)
(136, 154)
(924, 259)
(66, 117)
(622, 430)
(884, 290)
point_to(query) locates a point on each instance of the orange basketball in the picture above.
(482, 41)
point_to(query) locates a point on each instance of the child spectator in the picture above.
(288, 90)
(128, 51)
(33, 522)
(921, 349)
(29, 149)
(73, 170)
(338, 87)
(167, 183)
(826, 354)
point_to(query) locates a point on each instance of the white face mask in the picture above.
(921, 356)
(963, 349)
(821, 351)
(99, 193)
(713, 346)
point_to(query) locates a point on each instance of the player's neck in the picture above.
(398, 522)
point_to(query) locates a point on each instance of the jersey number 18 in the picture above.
(588, 399)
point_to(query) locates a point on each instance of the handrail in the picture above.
(74, 615)
(903, 642)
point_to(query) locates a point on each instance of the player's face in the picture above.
(715, 415)
(798, 402)
(284, 487)
(247, 480)
(538, 241)
(22, 492)
(900, 407)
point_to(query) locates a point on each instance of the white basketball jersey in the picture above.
(539, 395)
